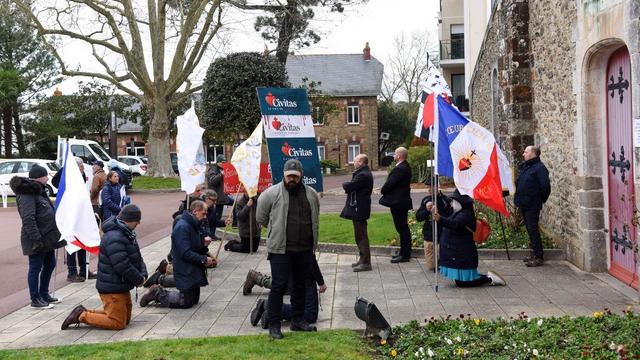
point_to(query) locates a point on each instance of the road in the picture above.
(155, 225)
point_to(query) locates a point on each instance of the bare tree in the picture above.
(406, 69)
(147, 49)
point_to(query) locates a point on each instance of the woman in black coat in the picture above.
(111, 196)
(458, 253)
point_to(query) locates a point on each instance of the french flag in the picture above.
(434, 85)
(468, 153)
(74, 213)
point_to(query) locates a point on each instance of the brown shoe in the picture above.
(150, 295)
(252, 277)
(162, 268)
(74, 317)
(536, 261)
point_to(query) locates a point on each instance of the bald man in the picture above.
(396, 194)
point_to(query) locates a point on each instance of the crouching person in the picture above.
(120, 269)
(189, 262)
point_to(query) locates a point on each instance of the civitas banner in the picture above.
(288, 127)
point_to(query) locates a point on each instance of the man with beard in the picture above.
(290, 209)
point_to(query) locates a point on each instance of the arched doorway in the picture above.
(621, 192)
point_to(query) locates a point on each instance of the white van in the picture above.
(90, 151)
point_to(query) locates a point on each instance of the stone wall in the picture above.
(522, 89)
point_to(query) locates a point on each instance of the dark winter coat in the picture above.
(120, 264)
(396, 191)
(358, 203)
(39, 232)
(215, 181)
(111, 200)
(188, 252)
(422, 214)
(532, 185)
(457, 248)
(211, 223)
(244, 214)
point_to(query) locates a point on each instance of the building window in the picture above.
(353, 115)
(135, 148)
(458, 93)
(213, 151)
(354, 150)
(457, 41)
(321, 153)
(318, 116)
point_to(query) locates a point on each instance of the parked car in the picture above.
(90, 151)
(20, 167)
(387, 158)
(137, 165)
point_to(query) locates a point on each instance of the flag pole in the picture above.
(224, 234)
(506, 243)
(55, 274)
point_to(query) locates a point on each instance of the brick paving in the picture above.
(402, 292)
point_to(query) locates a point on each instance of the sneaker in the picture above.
(73, 317)
(496, 279)
(250, 281)
(38, 303)
(256, 313)
(536, 261)
(52, 300)
(153, 279)
(150, 295)
(162, 268)
(75, 278)
(362, 267)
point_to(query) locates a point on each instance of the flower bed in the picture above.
(604, 335)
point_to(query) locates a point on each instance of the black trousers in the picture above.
(362, 240)
(402, 227)
(295, 265)
(531, 219)
(244, 245)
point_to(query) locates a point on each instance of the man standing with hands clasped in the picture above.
(532, 190)
(358, 208)
(290, 209)
(396, 194)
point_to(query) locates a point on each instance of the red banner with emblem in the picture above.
(232, 183)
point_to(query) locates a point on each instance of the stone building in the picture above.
(563, 75)
(351, 83)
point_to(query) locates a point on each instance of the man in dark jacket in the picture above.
(247, 226)
(189, 262)
(396, 194)
(358, 208)
(120, 269)
(532, 190)
(215, 181)
(39, 236)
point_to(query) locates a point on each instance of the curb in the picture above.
(378, 250)
(153, 191)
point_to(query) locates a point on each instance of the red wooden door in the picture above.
(622, 232)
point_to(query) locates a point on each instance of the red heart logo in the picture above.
(270, 99)
(464, 164)
(276, 123)
(285, 149)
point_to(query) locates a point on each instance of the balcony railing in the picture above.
(452, 49)
(461, 102)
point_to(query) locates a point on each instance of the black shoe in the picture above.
(264, 321)
(536, 261)
(74, 317)
(38, 303)
(150, 295)
(275, 332)
(302, 326)
(399, 259)
(51, 300)
(227, 246)
(75, 278)
(256, 313)
(153, 279)
(362, 267)
(356, 263)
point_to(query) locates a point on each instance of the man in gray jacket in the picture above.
(290, 210)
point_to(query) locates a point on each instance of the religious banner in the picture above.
(288, 127)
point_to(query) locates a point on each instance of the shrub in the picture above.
(329, 164)
(417, 158)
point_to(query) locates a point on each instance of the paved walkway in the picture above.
(402, 292)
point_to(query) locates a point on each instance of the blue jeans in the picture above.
(294, 265)
(311, 306)
(73, 266)
(40, 269)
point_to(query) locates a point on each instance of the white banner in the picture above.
(246, 160)
(288, 126)
(191, 161)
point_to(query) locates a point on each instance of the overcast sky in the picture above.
(377, 22)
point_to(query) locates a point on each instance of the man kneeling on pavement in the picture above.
(120, 269)
(189, 262)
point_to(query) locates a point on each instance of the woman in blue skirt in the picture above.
(458, 254)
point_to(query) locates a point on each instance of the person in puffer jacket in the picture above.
(120, 269)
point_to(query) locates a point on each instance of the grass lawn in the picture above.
(154, 183)
(332, 344)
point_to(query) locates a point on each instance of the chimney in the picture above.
(366, 52)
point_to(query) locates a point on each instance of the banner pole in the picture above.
(55, 275)
(506, 243)
(250, 229)
(224, 234)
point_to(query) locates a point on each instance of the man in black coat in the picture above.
(39, 236)
(120, 269)
(358, 208)
(189, 262)
(532, 190)
(396, 194)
